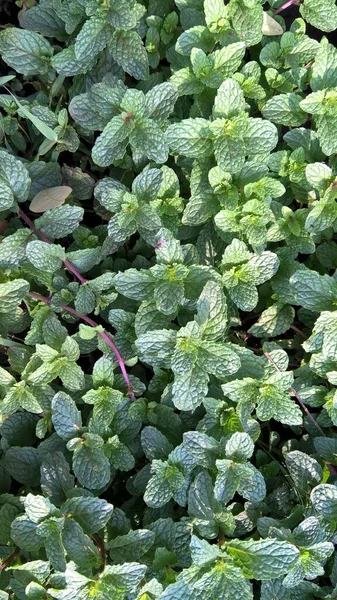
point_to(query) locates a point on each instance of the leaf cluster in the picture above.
(168, 294)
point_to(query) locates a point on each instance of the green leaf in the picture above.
(47, 257)
(128, 51)
(24, 465)
(155, 444)
(91, 467)
(119, 455)
(156, 347)
(24, 534)
(38, 508)
(247, 20)
(321, 14)
(148, 139)
(11, 294)
(324, 500)
(42, 127)
(91, 513)
(92, 39)
(43, 19)
(214, 12)
(212, 311)
(313, 291)
(324, 72)
(85, 301)
(218, 359)
(50, 531)
(261, 136)
(160, 101)
(190, 137)
(66, 417)
(111, 144)
(25, 51)
(190, 388)
(78, 545)
(240, 446)
(66, 63)
(263, 559)
(229, 153)
(13, 248)
(304, 470)
(60, 222)
(124, 577)
(6, 78)
(195, 37)
(56, 479)
(122, 15)
(273, 321)
(229, 58)
(134, 284)
(285, 109)
(14, 175)
(132, 545)
(229, 100)
(7, 198)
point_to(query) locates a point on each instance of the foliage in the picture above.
(168, 311)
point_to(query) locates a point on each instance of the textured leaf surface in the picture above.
(26, 51)
(264, 559)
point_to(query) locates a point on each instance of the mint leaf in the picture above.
(66, 417)
(263, 559)
(25, 51)
(128, 51)
(91, 513)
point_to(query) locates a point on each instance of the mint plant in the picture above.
(168, 300)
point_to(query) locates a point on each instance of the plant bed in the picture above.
(168, 256)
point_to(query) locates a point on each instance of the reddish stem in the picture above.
(221, 538)
(100, 545)
(9, 559)
(103, 335)
(31, 225)
(286, 5)
(44, 238)
(294, 328)
(332, 468)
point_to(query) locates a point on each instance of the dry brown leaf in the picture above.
(50, 198)
(270, 26)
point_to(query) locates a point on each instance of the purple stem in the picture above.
(43, 238)
(81, 279)
(286, 5)
(103, 335)
(298, 331)
(332, 468)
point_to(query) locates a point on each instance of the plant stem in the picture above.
(286, 5)
(31, 225)
(221, 538)
(103, 335)
(100, 545)
(294, 328)
(9, 559)
(332, 468)
(84, 318)
(44, 238)
(297, 396)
